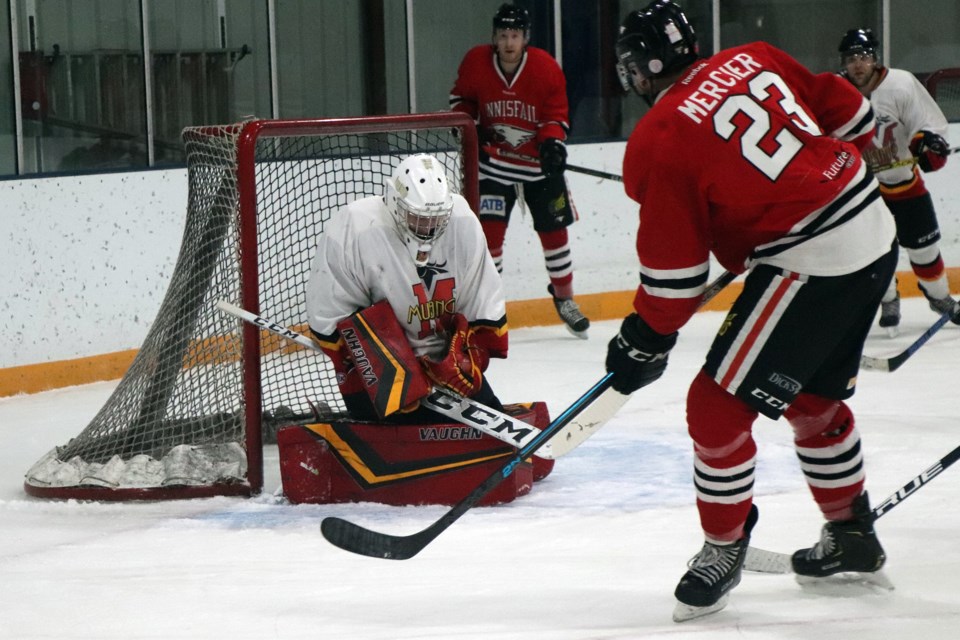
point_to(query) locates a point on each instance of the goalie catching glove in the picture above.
(462, 367)
(637, 355)
(930, 150)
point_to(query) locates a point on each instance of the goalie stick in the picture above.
(594, 408)
(763, 561)
(443, 401)
(893, 362)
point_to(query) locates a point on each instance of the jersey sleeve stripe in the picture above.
(862, 122)
(684, 283)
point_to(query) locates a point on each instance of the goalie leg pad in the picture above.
(383, 358)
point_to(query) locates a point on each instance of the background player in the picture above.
(910, 127)
(517, 96)
(421, 248)
(744, 155)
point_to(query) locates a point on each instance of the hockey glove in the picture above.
(461, 370)
(930, 150)
(637, 355)
(553, 157)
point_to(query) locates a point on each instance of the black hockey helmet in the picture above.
(510, 16)
(656, 41)
(858, 41)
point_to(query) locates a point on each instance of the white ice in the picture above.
(594, 551)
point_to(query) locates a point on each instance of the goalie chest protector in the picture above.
(402, 464)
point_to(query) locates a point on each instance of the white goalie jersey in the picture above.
(902, 107)
(362, 259)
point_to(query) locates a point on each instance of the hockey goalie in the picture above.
(402, 296)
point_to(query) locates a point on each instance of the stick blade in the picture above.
(356, 539)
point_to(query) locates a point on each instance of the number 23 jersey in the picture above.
(751, 157)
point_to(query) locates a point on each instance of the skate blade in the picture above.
(892, 332)
(870, 579)
(683, 612)
(577, 334)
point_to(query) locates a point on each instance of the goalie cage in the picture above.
(189, 417)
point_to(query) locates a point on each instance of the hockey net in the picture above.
(944, 86)
(190, 416)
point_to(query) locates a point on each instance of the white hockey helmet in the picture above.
(418, 197)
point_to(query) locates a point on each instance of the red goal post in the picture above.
(190, 416)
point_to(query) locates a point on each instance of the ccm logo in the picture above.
(770, 400)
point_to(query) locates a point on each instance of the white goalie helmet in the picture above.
(418, 197)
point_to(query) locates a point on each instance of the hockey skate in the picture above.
(569, 312)
(944, 305)
(848, 547)
(704, 589)
(890, 316)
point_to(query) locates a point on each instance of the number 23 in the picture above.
(771, 165)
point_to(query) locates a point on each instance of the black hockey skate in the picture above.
(569, 312)
(943, 305)
(844, 547)
(890, 316)
(713, 573)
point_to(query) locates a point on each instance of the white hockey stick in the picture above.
(443, 401)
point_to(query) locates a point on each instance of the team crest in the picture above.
(515, 136)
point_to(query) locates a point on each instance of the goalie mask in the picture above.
(654, 42)
(418, 197)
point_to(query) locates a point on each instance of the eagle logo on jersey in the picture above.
(514, 136)
(429, 271)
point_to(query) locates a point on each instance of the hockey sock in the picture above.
(724, 458)
(927, 263)
(559, 263)
(495, 231)
(828, 446)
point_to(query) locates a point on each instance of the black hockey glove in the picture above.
(930, 149)
(637, 355)
(553, 157)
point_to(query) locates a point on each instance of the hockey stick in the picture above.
(594, 408)
(765, 561)
(893, 362)
(443, 401)
(352, 537)
(594, 172)
(906, 162)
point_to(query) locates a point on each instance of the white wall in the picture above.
(86, 260)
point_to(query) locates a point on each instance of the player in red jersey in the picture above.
(749, 156)
(517, 94)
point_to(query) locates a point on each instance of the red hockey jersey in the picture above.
(745, 157)
(513, 115)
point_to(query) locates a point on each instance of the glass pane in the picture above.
(210, 64)
(8, 142)
(452, 29)
(81, 75)
(929, 47)
(809, 30)
(321, 58)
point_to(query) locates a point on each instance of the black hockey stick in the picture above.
(352, 537)
(764, 561)
(893, 362)
(595, 172)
